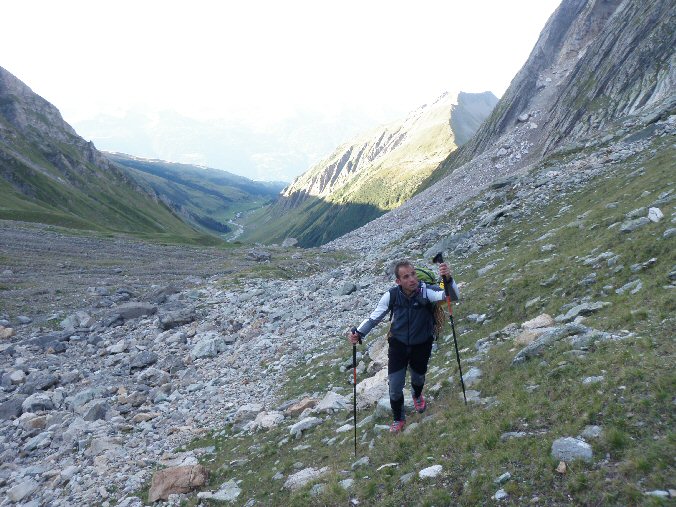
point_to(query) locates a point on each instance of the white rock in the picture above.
(569, 449)
(593, 380)
(500, 494)
(331, 402)
(300, 479)
(655, 214)
(267, 420)
(430, 472)
(305, 424)
(228, 492)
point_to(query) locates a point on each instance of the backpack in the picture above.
(436, 309)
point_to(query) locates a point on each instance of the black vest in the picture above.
(412, 317)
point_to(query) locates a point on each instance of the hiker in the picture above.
(411, 306)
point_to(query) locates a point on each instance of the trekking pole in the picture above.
(354, 384)
(438, 259)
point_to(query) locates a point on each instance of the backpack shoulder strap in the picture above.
(393, 298)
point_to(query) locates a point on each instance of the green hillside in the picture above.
(207, 198)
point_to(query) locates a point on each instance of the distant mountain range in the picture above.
(371, 174)
(268, 151)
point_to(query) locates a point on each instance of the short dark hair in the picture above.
(401, 264)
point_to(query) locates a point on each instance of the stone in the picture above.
(371, 389)
(430, 472)
(96, 411)
(632, 225)
(527, 337)
(6, 332)
(176, 318)
(570, 449)
(228, 492)
(659, 493)
(632, 287)
(472, 376)
(209, 347)
(259, 255)
(542, 320)
(361, 462)
(297, 408)
(503, 478)
(583, 309)
(332, 402)
(42, 380)
(347, 484)
(101, 445)
(592, 431)
(182, 479)
(267, 420)
(143, 360)
(592, 380)
(12, 408)
(346, 289)
(22, 490)
(500, 494)
(304, 424)
(547, 339)
(247, 412)
(655, 214)
(132, 310)
(37, 402)
(305, 476)
(17, 377)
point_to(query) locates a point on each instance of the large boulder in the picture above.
(135, 310)
(370, 390)
(305, 476)
(570, 448)
(182, 479)
(332, 402)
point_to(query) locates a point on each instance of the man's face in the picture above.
(407, 279)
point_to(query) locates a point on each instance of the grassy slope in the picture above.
(88, 201)
(633, 404)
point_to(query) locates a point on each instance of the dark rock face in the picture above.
(596, 61)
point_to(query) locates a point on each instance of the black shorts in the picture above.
(400, 355)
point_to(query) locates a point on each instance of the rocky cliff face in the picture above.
(594, 63)
(440, 126)
(600, 71)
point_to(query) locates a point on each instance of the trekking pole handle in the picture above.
(438, 259)
(354, 331)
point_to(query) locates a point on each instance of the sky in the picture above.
(261, 60)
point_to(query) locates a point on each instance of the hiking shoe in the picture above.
(397, 426)
(419, 404)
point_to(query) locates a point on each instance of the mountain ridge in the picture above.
(370, 174)
(49, 174)
(522, 127)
